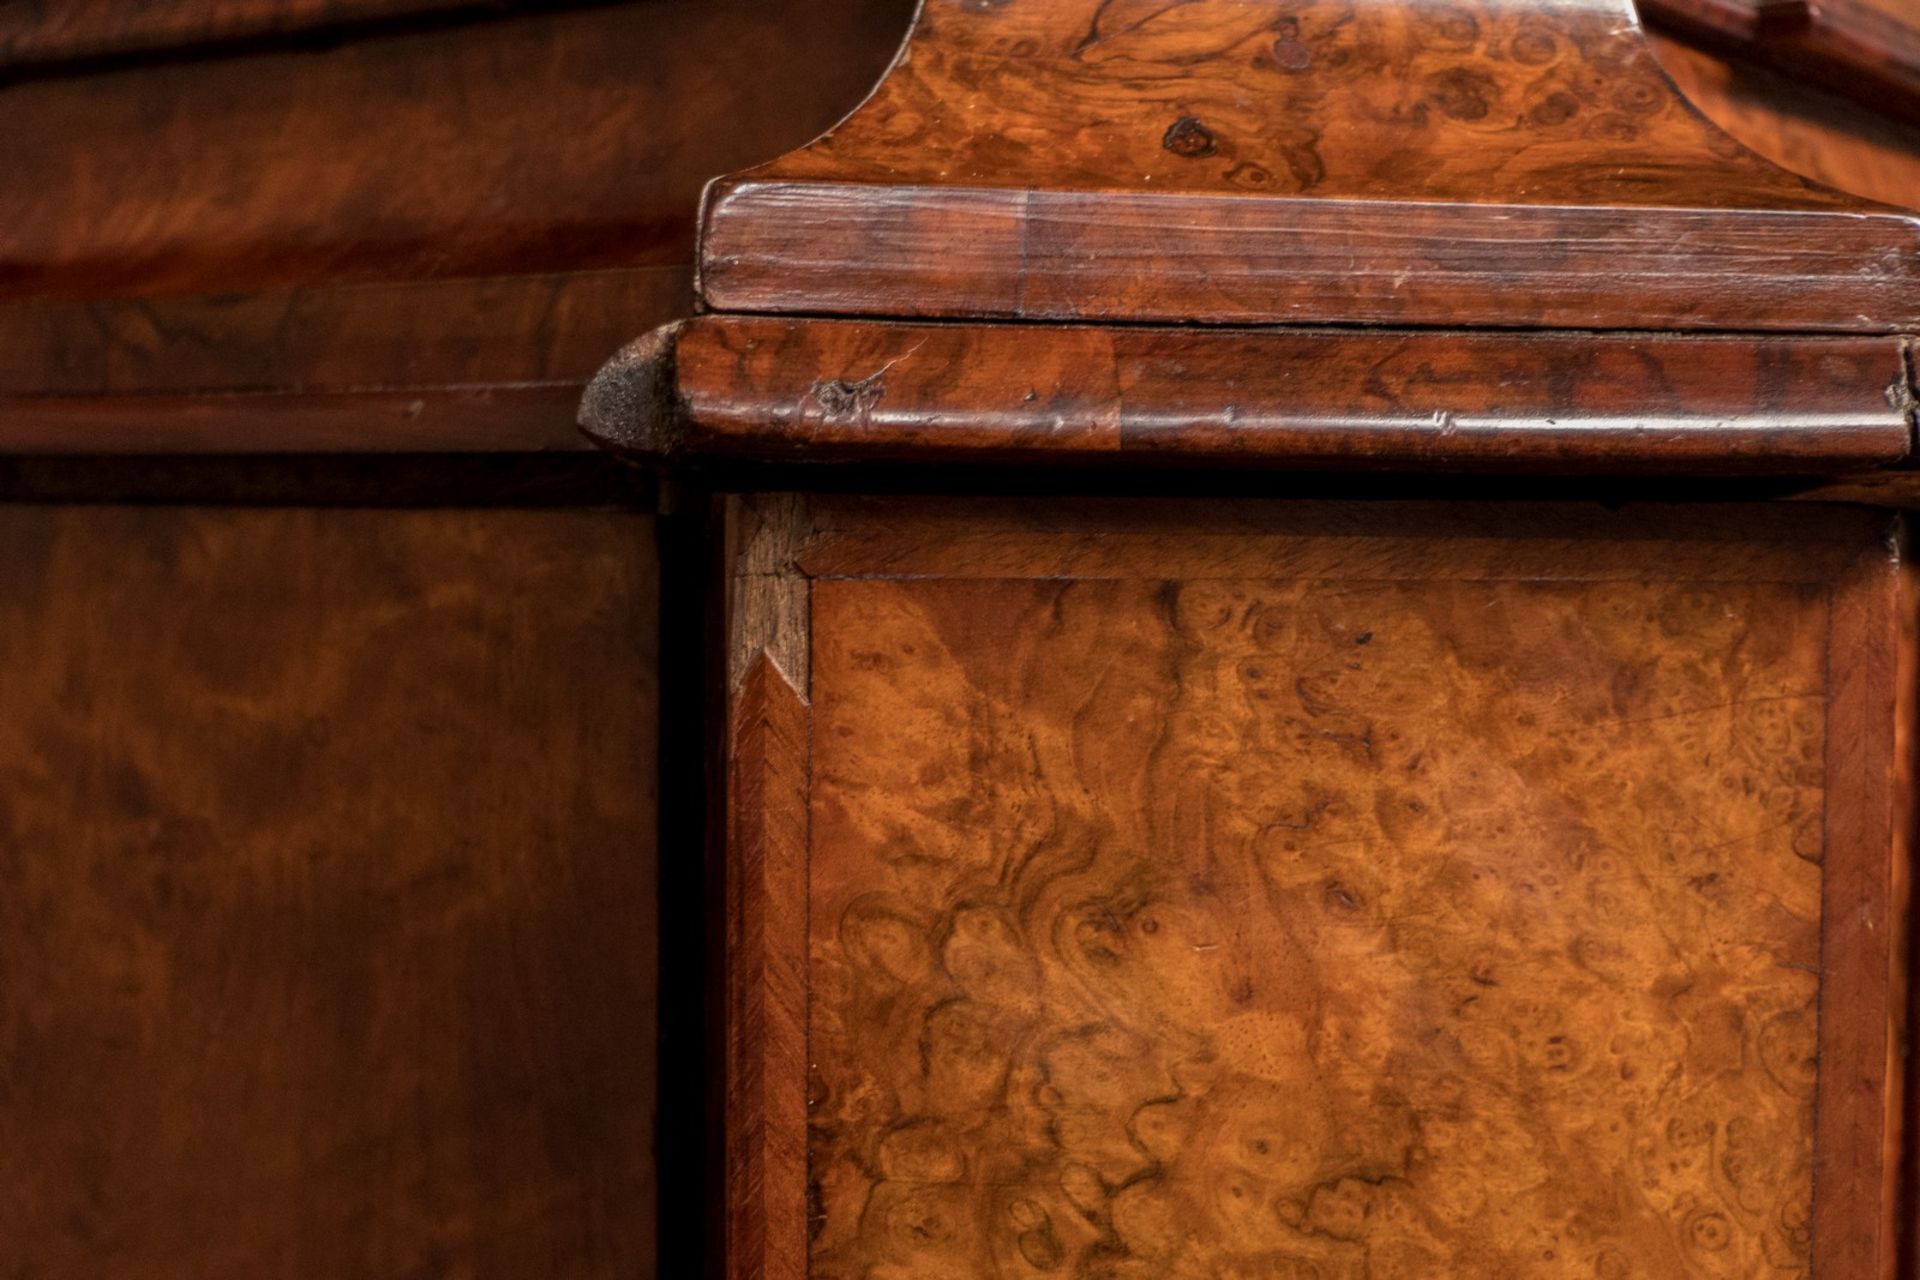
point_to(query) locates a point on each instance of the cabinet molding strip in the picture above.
(1001, 253)
(772, 389)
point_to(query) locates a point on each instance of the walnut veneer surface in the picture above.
(1319, 891)
(1497, 163)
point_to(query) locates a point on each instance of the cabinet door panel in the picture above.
(1336, 892)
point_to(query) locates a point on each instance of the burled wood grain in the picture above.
(1349, 99)
(1487, 162)
(1281, 906)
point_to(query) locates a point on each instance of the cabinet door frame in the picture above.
(778, 545)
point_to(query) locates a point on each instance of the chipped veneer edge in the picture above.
(767, 593)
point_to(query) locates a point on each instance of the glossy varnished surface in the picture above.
(1060, 257)
(1231, 938)
(1866, 49)
(1559, 103)
(470, 365)
(771, 388)
(534, 143)
(1239, 160)
(1348, 892)
(439, 153)
(326, 894)
(66, 31)
(766, 986)
(402, 240)
(1793, 123)
(57, 32)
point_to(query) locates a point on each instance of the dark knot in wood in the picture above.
(1189, 138)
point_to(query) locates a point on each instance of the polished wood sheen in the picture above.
(406, 240)
(471, 365)
(1866, 49)
(543, 142)
(1241, 889)
(326, 894)
(1797, 125)
(766, 933)
(56, 32)
(1215, 888)
(1237, 161)
(769, 388)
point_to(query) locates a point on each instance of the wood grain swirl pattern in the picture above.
(1376, 925)
(1350, 99)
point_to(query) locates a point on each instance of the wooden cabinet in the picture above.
(1314, 672)
(1284, 624)
(312, 910)
(1146, 888)
(329, 651)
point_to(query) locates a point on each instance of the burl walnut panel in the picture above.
(1195, 899)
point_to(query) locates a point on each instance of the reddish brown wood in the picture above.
(1868, 51)
(327, 894)
(1797, 125)
(526, 418)
(770, 389)
(274, 252)
(1472, 86)
(1745, 20)
(443, 365)
(1857, 1209)
(57, 31)
(1493, 163)
(537, 143)
(956, 537)
(766, 1097)
(499, 330)
(1062, 256)
(1109, 800)
(1905, 1136)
